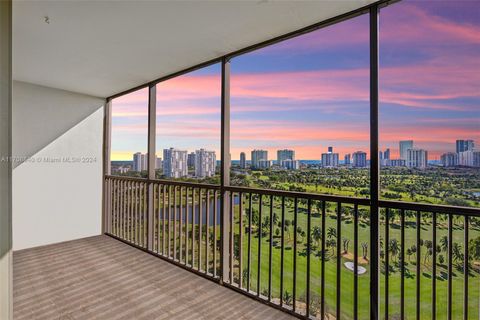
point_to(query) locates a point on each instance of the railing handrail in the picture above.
(166, 181)
(302, 195)
(425, 207)
(391, 204)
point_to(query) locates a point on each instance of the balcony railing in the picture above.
(292, 250)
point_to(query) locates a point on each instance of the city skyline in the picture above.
(281, 153)
(311, 92)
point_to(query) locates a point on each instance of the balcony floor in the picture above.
(103, 278)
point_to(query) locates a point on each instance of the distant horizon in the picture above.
(297, 158)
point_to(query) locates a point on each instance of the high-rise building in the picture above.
(175, 163)
(257, 156)
(330, 159)
(469, 158)
(205, 163)
(285, 154)
(417, 158)
(359, 159)
(264, 164)
(243, 160)
(384, 157)
(386, 154)
(395, 163)
(158, 163)
(464, 145)
(404, 146)
(140, 162)
(290, 164)
(449, 159)
(347, 159)
(191, 160)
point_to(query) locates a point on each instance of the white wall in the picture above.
(5, 167)
(57, 193)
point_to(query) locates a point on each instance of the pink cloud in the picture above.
(406, 22)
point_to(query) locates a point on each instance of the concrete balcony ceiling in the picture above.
(102, 47)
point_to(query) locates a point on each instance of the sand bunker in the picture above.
(350, 266)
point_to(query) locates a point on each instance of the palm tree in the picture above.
(317, 234)
(394, 248)
(364, 250)
(457, 252)
(427, 255)
(444, 243)
(409, 253)
(331, 233)
(345, 242)
(332, 243)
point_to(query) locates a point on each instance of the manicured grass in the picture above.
(347, 276)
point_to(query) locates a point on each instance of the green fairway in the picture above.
(347, 275)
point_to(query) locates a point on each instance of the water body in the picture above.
(172, 211)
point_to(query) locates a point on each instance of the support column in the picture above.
(152, 114)
(225, 171)
(374, 168)
(107, 137)
(6, 300)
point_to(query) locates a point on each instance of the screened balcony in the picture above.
(142, 182)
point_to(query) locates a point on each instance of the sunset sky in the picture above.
(312, 91)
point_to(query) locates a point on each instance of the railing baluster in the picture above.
(339, 259)
(259, 251)
(180, 231)
(136, 209)
(231, 239)
(175, 213)
(434, 266)
(194, 222)
(387, 261)
(215, 213)
(169, 237)
(294, 293)
(309, 227)
(125, 211)
(240, 240)
(402, 259)
(112, 216)
(322, 276)
(249, 252)
(122, 213)
(355, 261)
(417, 256)
(450, 272)
(164, 214)
(187, 224)
(119, 209)
(282, 252)
(207, 226)
(270, 252)
(132, 212)
(159, 243)
(466, 268)
(130, 215)
(185, 247)
(145, 212)
(200, 227)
